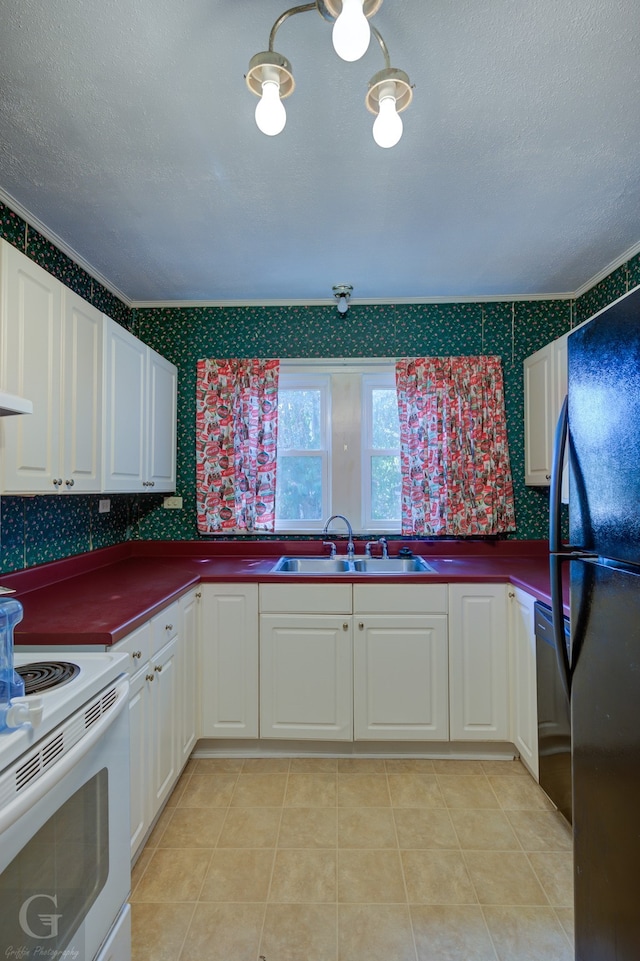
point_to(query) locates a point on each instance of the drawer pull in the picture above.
(149, 677)
(168, 627)
(158, 668)
(136, 654)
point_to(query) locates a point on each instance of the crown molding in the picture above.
(609, 269)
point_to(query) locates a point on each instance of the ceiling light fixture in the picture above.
(342, 292)
(390, 92)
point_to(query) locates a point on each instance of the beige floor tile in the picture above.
(374, 932)
(216, 765)
(193, 828)
(487, 830)
(370, 876)
(554, 870)
(176, 794)
(511, 768)
(250, 828)
(160, 827)
(464, 791)
(415, 790)
(520, 794)
(224, 932)
(437, 877)
(173, 875)
(238, 874)
(265, 765)
(311, 790)
(504, 877)
(138, 869)
(461, 768)
(313, 765)
(363, 790)
(361, 765)
(158, 930)
(366, 828)
(303, 876)
(527, 934)
(541, 830)
(425, 828)
(408, 765)
(566, 919)
(445, 932)
(259, 790)
(208, 791)
(308, 828)
(299, 932)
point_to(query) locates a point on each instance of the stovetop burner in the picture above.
(44, 675)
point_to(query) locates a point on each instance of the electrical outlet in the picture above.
(173, 503)
(104, 506)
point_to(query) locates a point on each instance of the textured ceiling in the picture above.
(126, 129)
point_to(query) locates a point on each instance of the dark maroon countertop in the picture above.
(101, 596)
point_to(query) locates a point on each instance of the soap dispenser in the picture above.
(11, 684)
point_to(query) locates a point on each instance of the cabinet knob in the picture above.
(57, 481)
(136, 654)
(158, 668)
(168, 627)
(345, 626)
(198, 593)
(512, 594)
(70, 482)
(360, 626)
(149, 677)
(152, 483)
(547, 476)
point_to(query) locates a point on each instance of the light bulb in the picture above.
(343, 305)
(351, 32)
(270, 113)
(387, 127)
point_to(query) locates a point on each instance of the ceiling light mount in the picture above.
(342, 293)
(270, 76)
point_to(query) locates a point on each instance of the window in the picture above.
(338, 446)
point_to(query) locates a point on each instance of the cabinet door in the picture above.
(164, 713)
(139, 757)
(306, 676)
(81, 468)
(524, 706)
(188, 705)
(401, 677)
(160, 455)
(31, 362)
(124, 410)
(539, 421)
(478, 663)
(229, 661)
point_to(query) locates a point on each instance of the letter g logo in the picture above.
(48, 921)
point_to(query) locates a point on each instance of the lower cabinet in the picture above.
(524, 704)
(478, 663)
(305, 676)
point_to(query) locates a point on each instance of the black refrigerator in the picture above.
(601, 675)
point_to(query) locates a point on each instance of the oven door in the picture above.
(64, 837)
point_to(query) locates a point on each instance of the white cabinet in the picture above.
(228, 661)
(401, 684)
(188, 726)
(545, 386)
(139, 415)
(52, 350)
(478, 662)
(524, 706)
(305, 676)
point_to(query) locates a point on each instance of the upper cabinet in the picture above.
(104, 404)
(545, 386)
(140, 415)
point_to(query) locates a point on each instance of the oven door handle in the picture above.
(25, 800)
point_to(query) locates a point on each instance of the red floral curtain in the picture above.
(236, 438)
(454, 454)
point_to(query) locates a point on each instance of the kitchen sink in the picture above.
(357, 565)
(392, 565)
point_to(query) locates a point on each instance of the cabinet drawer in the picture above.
(166, 626)
(400, 598)
(306, 598)
(137, 645)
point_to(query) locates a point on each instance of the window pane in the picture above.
(385, 424)
(385, 488)
(299, 413)
(299, 489)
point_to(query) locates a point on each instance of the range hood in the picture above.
(12, 404)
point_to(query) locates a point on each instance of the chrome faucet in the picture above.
(382, 541)
(350, 544)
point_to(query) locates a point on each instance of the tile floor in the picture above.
(355, 860)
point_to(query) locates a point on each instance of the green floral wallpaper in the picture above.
(38, 529)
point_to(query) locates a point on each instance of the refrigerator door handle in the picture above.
(555, 494)
(557, 610)
(558, 552)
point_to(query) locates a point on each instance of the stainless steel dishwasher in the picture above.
(554, 719)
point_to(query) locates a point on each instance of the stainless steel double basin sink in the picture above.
(356, 565)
